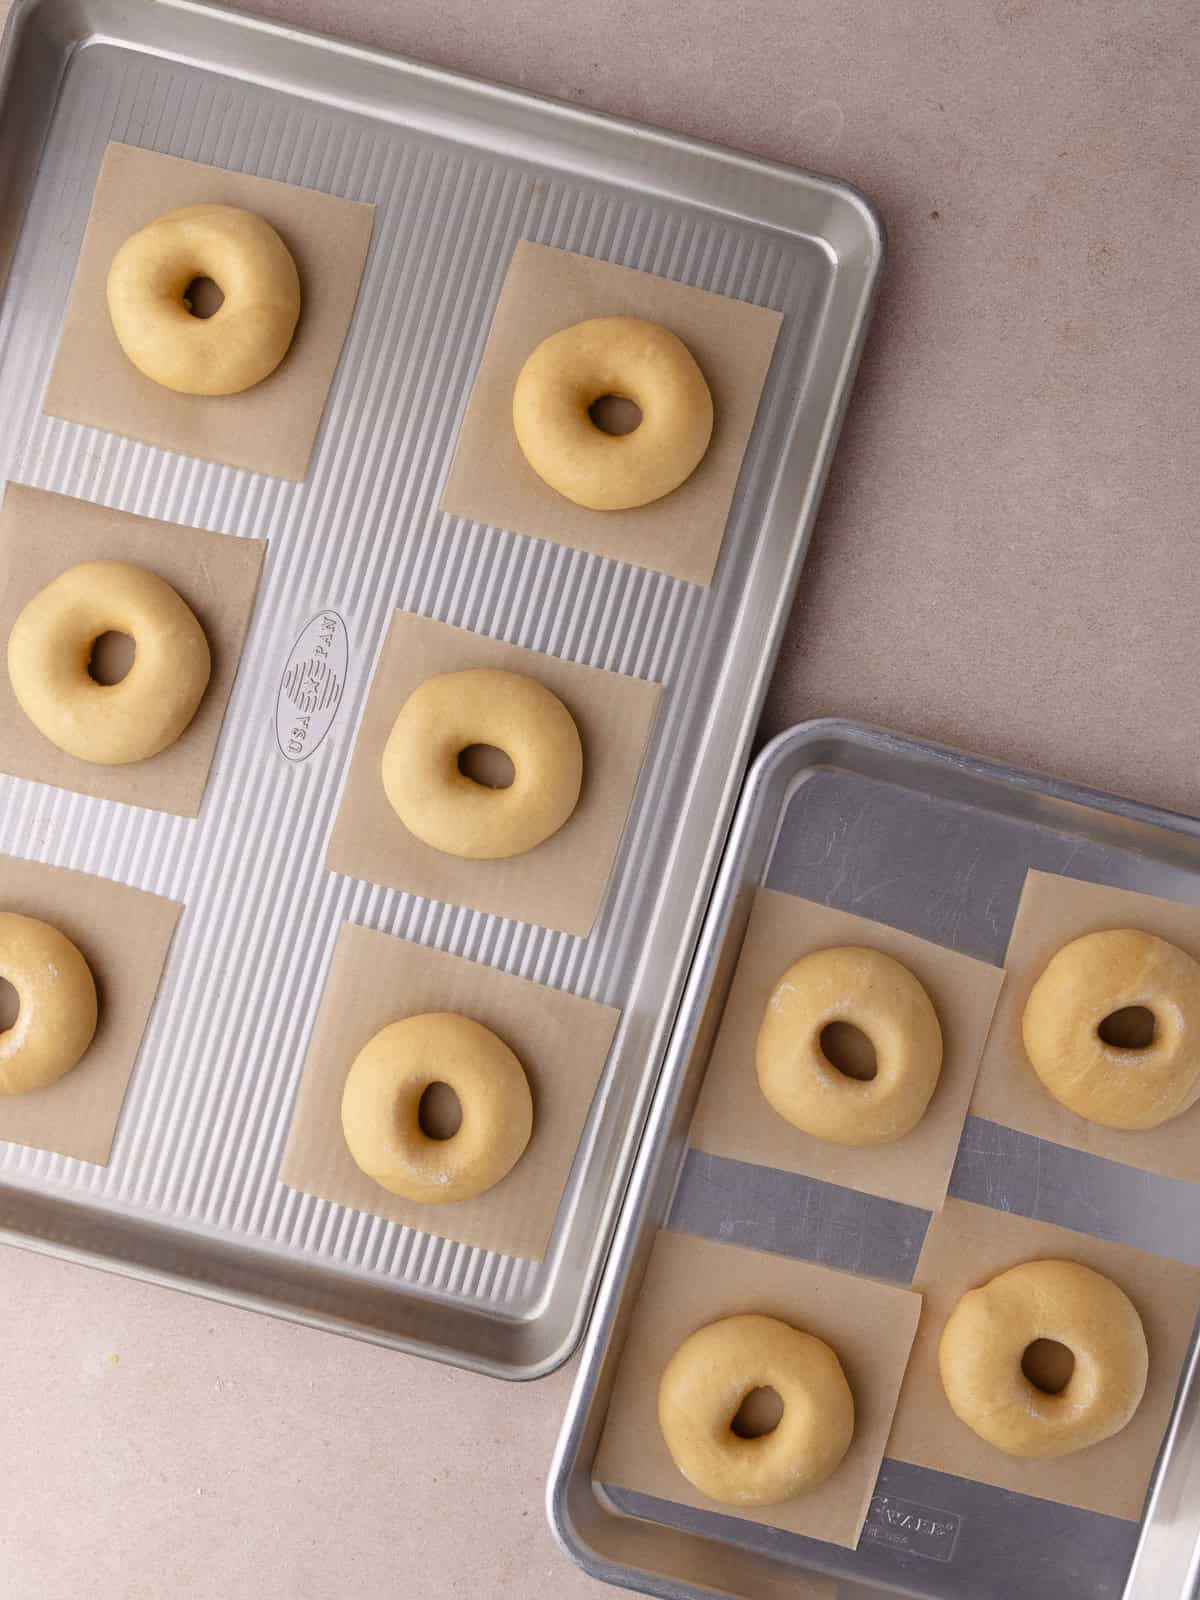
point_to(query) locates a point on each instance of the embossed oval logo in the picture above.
(310, 690)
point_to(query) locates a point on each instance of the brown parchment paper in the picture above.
(1052, 912)
(691, 1282)
(561, 883)
(269, 428)
(124, 935)
(734, 1119)
(966, 1246)
(41, 535)
(561, 1041)
(548, 289)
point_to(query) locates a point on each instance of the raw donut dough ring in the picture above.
(703, 1386)
(1086, 982)
(989, 1331)
(51, 644)
(57, 1017)
(451, 812)
(626, 356)
(382, 1097)
(875, 994)
(247, 336)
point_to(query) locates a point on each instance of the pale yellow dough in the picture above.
(1086, 982)
(640, 361)
(50, 647)
(882, 999)
(248, 335)
(451, 812)
(382, 1096)
(703, 1386)
(56, 1018)
(989, 1331)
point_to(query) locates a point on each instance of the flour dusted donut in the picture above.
(626, 356)
(382, 1098)
(882, 999)
(449, 811)
(56, 1016)
(703, 1386)
(1087, 981)
(990, 1329)
(51, 644)
(248, 335)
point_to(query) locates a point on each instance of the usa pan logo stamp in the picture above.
(311, 688)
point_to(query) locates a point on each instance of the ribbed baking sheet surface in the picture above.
(207, 1112)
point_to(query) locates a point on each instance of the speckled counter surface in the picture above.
(1006, 559)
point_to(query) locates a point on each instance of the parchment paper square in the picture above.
(966, 1246)
(41, 535)
(124, 935)
(548, 289)
(733, 1118)
(1053, 911)
(269, 428)
(561, 883)
(690, 1282)
(561, 1040)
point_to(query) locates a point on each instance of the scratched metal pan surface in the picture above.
(459, 171)
(937, 843)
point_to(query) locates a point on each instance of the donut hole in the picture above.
(1130, 1028)
(486, 765)
(1048, 1365)
(439, 1112)
(615, 414)
(203, 298)
(848, 1050)
(111, 658)
(760, 1413)
(10, 1005)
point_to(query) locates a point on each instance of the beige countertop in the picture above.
(1005, 559)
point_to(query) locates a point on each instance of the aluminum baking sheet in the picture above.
(937, 843)
(459, 171)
